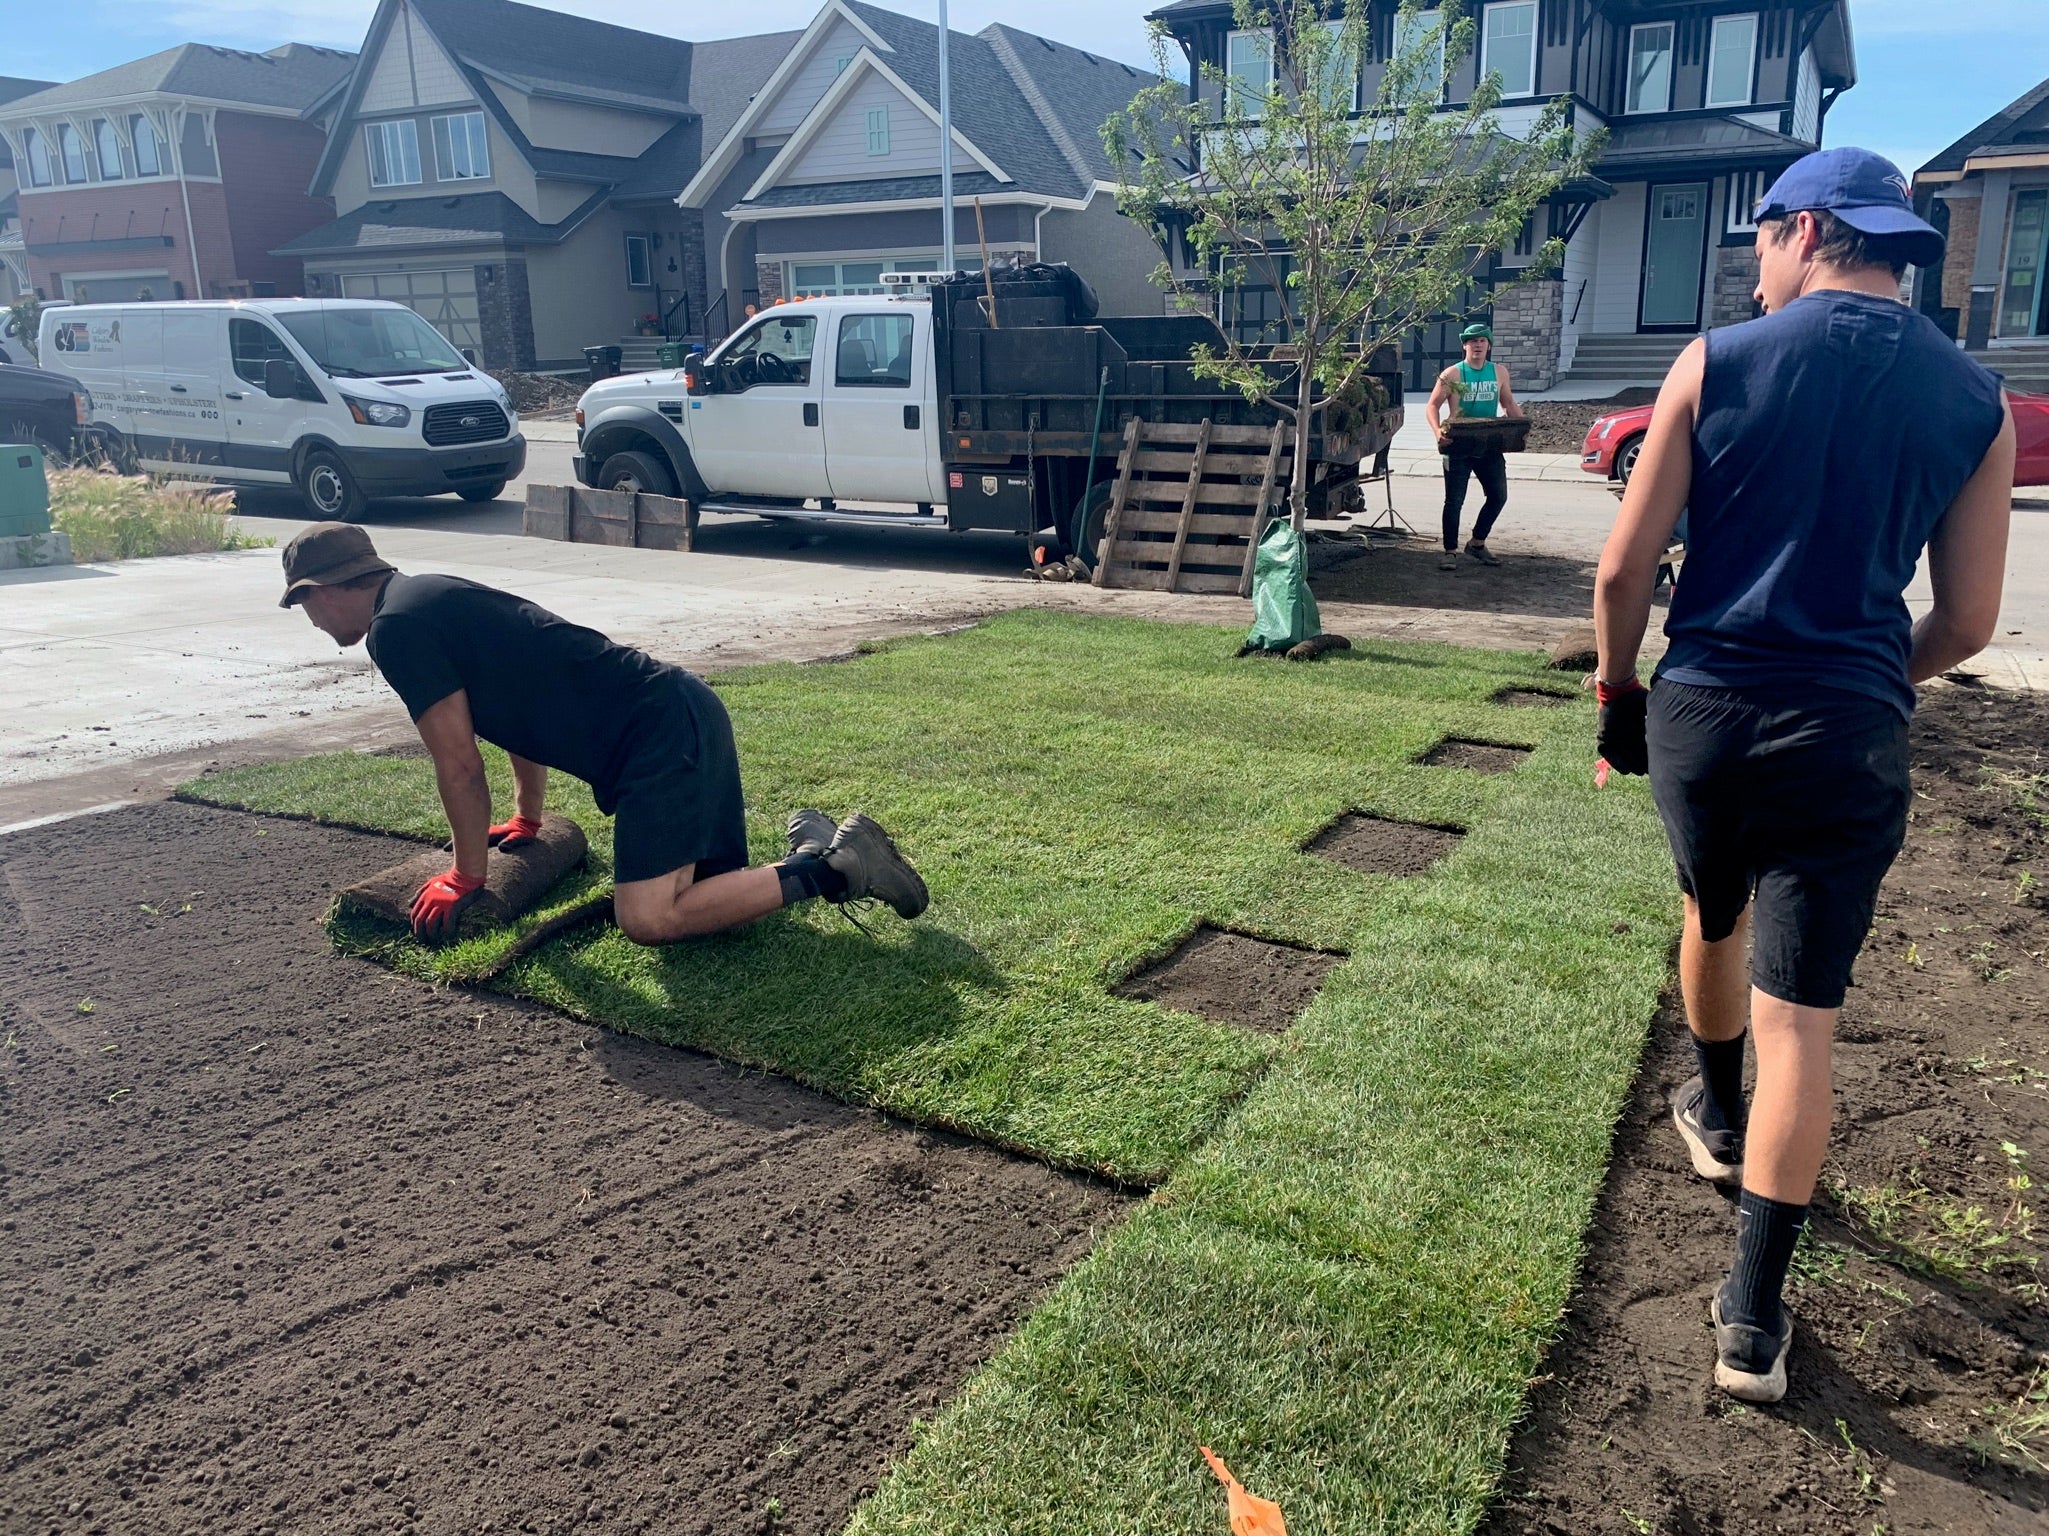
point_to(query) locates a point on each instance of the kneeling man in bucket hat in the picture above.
(651, 740)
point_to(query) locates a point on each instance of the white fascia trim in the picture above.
(145, 99)
(822, 113)
(719, 164)
(742, 214)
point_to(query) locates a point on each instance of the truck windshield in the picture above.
(369, 343)
(777, 350)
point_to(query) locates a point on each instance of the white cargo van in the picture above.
(346, 399)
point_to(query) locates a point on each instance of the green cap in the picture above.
(1479, 330)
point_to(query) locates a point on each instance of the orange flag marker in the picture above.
(1250, 1516)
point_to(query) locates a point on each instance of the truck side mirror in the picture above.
(693, 379)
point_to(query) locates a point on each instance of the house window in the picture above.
(148, 159)
(38, 158)
(1424, 30)
(878, 130)
(1509, 45)
(840, 62)
(108, 146)
(1650, 68)
(874, 352)
(1340, 74)
(73, 149)
(394, 153)
(1730, 60)
(1248, 71)
(460, 150)
(640, 270)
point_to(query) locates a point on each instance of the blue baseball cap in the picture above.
(1864, 190)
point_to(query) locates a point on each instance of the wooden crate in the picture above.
(1189, 505)
(577, 514)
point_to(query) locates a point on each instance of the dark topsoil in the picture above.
(289, 1243)
(1561, 426)
(1234, 978)
(1921, 1332)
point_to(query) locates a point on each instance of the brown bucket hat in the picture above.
(326, 555)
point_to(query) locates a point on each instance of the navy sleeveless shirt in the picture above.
(1832, 438)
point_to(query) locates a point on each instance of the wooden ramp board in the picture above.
(1189, 504)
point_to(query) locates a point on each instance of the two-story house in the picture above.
(174, 176)
(511, 173)
(1989, 192)
(13, 260)
(831, 177)
(1704, 102)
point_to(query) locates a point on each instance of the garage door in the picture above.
(445, 300)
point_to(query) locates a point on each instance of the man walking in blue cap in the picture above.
(1817, 452)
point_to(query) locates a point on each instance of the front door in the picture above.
(1674, 251)
(756, 432)
(2024, 303)
(875, 438)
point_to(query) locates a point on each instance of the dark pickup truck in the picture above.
(46, 409)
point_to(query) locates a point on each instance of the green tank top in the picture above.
(1480, 390)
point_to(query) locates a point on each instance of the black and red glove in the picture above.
(1625, 713)
(516, 833)
(438, 909)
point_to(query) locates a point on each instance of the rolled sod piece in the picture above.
(514, 883)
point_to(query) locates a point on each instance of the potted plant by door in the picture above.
(649, 324)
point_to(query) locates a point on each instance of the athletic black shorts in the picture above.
(1797, 801)
(677, 799)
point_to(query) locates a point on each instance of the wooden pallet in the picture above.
(1189, 506)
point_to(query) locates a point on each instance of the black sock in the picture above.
(1721, 1068)
(806, 875)
(1766, 1234)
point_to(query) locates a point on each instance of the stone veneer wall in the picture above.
(1733, 298)
(768, 278)
(1529, 330)
(505, 316)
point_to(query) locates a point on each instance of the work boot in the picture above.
(810, 833)
(864, 855)
(1750, 1363)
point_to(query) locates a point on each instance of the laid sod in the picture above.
(1371, 1223)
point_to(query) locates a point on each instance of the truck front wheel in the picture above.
(636, 471)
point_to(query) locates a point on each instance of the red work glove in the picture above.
(1625, 709)
(516, 833)
(438, 909)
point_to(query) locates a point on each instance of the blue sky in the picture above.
(1931, 69)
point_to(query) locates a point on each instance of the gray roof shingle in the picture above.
(293, 76)
(423, 223)
(2028, 116)
(826, 194)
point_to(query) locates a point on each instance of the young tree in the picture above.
(1368, 216)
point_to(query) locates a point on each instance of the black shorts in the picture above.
(677, 799)
(1798, 800)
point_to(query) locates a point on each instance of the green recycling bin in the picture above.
(24, 491)
(670, 354)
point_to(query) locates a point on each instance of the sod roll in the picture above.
(514, 883)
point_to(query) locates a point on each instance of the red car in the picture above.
(1614, 441)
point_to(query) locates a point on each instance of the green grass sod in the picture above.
(1371, 1225)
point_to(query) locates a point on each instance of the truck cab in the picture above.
(809, 406)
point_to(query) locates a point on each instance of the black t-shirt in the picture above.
(539, 686)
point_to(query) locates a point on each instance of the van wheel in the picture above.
(489, 492)
(330, 490)
(635, 471)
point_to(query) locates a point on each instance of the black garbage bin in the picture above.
(603, 361)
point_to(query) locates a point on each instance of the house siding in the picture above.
(840, 150)
(590, 130)
(1577, 275)
(1807, 104)
(267, 164)
(413, 71)
(1618, 263)
(801, 92)
(1116, 255)
(127, 210)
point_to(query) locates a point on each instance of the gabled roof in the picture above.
(291, 77)
(2019, 122)
(727, 72)
(13, 87)
(1032, 107)
(428, 223)
(900, 189)
(545, 49)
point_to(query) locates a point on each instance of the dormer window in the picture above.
(1650, 68)
(394, 150)
(1508, 44)
(1732, 59)
(108, 144)
(148, 159)
(461, 152)
(1248, 72)
(38, 150)
(73, 149)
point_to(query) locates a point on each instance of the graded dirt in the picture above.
(1531, 698)
(1374, 845)
(1234, 979)
(1919, 1398)
(291, 1244)
(1478, 756)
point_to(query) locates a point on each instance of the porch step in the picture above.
(637, 353)
(1625, 358)
(2026, 366)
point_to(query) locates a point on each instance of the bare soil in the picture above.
(289, 1243)
(1234, 979)
(1533, 698)
(1479, 756)
(1561, 426)
(1402, 572)
(1376, 845)
(1920, 1366)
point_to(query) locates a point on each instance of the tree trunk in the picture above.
(1305, 423)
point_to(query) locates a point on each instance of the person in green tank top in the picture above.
(1477, 388)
